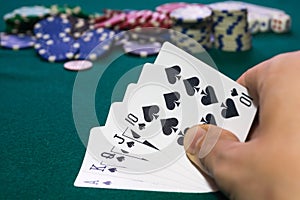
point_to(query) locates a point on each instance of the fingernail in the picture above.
(192, 138)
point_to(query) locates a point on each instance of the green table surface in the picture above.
(41, 152)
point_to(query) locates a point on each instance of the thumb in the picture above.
(211, 149)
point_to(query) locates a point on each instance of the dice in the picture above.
(281, 23)
(253, 23)
(264, 22)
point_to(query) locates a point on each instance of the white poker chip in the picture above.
(227, 7)
(191, 13)
(78, 65)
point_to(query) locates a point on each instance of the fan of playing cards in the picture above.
(141, 145)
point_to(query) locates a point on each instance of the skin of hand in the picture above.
(267, 165)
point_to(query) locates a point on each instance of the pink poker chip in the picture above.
(146, 15)
(78, 65)
(117, 19)
(169, 7)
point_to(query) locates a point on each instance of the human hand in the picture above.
(267, 165)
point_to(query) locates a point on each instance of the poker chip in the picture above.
(22, 20)
(194, 21)
(169, 7)
(17, 41)
(78, 65)
(228, 8)
(142, 49)
(259, 17)
(69, 10)
(120, 20)
(94, 43)
(32, 12)
(79, 26)
(54, 25)
(146, 35)
(57, 49)
(230, 27)
(193, 13)
(189, 44)
(120, 38)
(109, 23)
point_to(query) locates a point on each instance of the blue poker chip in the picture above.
(95, 43)
(16, 41)
(57, 49)
(54, 25)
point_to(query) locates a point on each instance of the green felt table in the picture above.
(41, 152)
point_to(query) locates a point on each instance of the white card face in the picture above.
(171, 164)
(220, 100)
(100, 175)
(106, 165)
(148, 121)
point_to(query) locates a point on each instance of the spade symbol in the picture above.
(121, 158)
(142, 126)
(130, 144)
(150, 112)
(209, 119)
(191, 85)
(169, 125)
(172, 100)
(234, 92)
(173, 73)
(112, 170)
(229, 109)
(209, 96)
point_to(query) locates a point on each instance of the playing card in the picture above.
(178, 168)
(142, 141)
(143, 113)
(95, 178)
(167, 152)
(106, 165)
(220, 100)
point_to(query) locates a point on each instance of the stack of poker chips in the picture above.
(69, 10)
(193, 20)
(265, 19)
(230, 27)
(121, 20)
(58, 39)
(22, 20)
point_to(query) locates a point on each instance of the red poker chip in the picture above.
(146, 15)
(117, 19)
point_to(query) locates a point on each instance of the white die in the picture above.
(281, 23)
(264, 22)
(253, 22)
